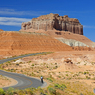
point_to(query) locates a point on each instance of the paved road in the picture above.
(23, 80)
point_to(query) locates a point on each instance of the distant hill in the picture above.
(1, 30)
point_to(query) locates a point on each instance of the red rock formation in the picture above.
(54, 21)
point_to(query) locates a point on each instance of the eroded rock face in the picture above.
(72, 43)
(54, 21)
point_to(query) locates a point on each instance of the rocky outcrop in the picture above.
(72, 43)
(54, 21)
(76, 45)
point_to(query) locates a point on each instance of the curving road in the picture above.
(23, 80)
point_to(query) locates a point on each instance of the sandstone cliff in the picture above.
(54, 21)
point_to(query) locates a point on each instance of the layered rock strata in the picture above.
(28, 43)
(72, 43)
(54, 21)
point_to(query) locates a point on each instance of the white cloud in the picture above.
(87, 26)
(5, 11)
(12, 21)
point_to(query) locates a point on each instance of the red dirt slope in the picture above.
(21, 43)
(65, 34)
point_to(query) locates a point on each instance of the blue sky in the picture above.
(14, 12)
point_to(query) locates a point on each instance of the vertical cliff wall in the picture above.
(54, 21)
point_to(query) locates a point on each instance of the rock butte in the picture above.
(62, 28)
(54, 21)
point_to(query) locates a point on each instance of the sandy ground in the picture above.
(68, 66)
(6, 81)
(79, 61)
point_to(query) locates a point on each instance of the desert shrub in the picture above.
(50, 79)
(47, 66)
(29, 62)
(55, 67)
(0, 65)
(84, 73)
(6, 64)
(44, 63)
(2, 91)
(51, 76)
(59, 76)
(69, 78)
(14, 60)
(52, 91)
(17, 64)
(41, 91)
(87, 77)
(21, 92)
(87, 72)
(10, 91)
(32, 64)
(55, 63)
(8, 61)
(78, 63)
(61, 87)
(12, 70)
(66, 74)
(21, 70)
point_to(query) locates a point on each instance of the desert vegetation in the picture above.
(61, 78)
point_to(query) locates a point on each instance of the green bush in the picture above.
(87, 77)
(8, 61)
(10, 91)
(84, 73)
(66, 74)
(29, 62)
(52, 91)
(61, 87)
(55, 63)
(32, 64)
(50, 79)
(55, 67)
(21, 92)
(2, 91)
